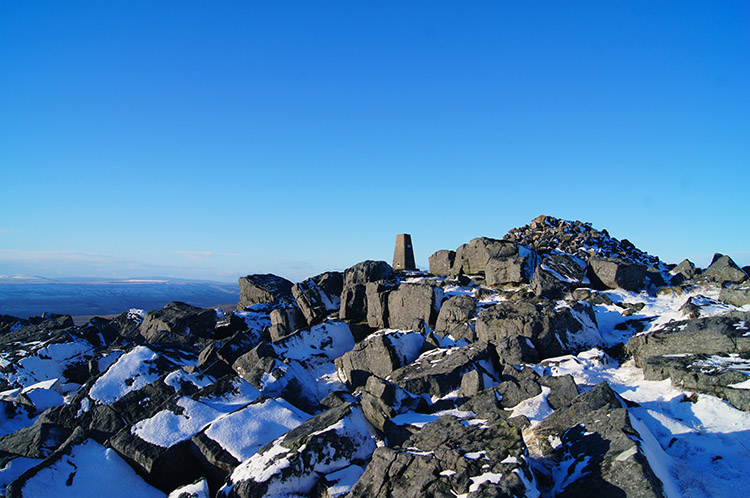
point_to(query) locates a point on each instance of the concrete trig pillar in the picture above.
(403, 255)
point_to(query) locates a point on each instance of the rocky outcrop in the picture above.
(178, 323)
(294, 463)
(611, 273)
(318, 296)
(262, 289)
(724, 270)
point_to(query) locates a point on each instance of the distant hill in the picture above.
(29, 296)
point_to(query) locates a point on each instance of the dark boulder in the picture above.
(473, 257)
(368, 271)
(557, 275)
(441, 262)
(537, 329)
(376, 295)
(449, 457)
(293, 464)
(379, 354)
(318, 296)
(710, 335)
(441, 371)
(353, 303)
(722, 270)
(382, 400)
(178, 323)
(596, 439)
(455, 316)
(737, 296)
(285, 321)
(413, 301)
(613, 273)
(264, 288)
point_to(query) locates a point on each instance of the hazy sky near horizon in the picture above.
(212, 140)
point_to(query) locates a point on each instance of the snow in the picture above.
(14, 468)
(241, 394)
(89, 470)
(195, 490)
(701, 447)
(179, 377)
(244, 432)
(333, 339)
(168, 428)
(129, 373)
(535, 409)
(43, 361)
(491, 477)
(421, 419)
(344, 480)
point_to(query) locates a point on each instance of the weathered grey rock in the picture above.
(164, 468)
(710, 335)
(738, 296)
(38, 441)
(710, 374)
(376, 294)
(556, 275)
(472, 258)
(723, 269)
(178, 323)
(441, 371)
(353, 303)
(687, 269)
(256, 363)
(264, 288)
(368, 271)
(240, 343)
(318, 296)
(444, 459)
(327, 442)
(403, 254)
(441, 262)
(564, 390)
(596, 434)
(456, 310)
(611, 273)
(379, 354)
(516, 269)
(285, 321)
(413, 301)
(546, 331)
(382, 400)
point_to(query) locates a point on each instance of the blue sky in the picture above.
(211, 140)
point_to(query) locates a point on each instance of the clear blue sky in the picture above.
(215, 139)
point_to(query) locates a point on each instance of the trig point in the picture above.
(403, 256)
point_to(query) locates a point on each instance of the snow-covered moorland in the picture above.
(556, 362)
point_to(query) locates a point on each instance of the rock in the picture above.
(549, 331)
(598, 441)
(722, 270)
(710, 374)
(564, 390)
(261, 289)
(164, 468)
(615, 273)
(254, 365)
(473, 257)
(353, 303)
(710, 335)
(293, 463)
(441, 262)
(687, 269)
(178, 323)
(450, 458)
(241, 343)
(556, 275)
(737, 296)
(379, 354)
(81, 467)
(382, 400)
(376, 294)
(454, 317)
(441, 371)
(38, 441)
(285, 321)
(368, 271)
(318, 296)
(413, 301)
